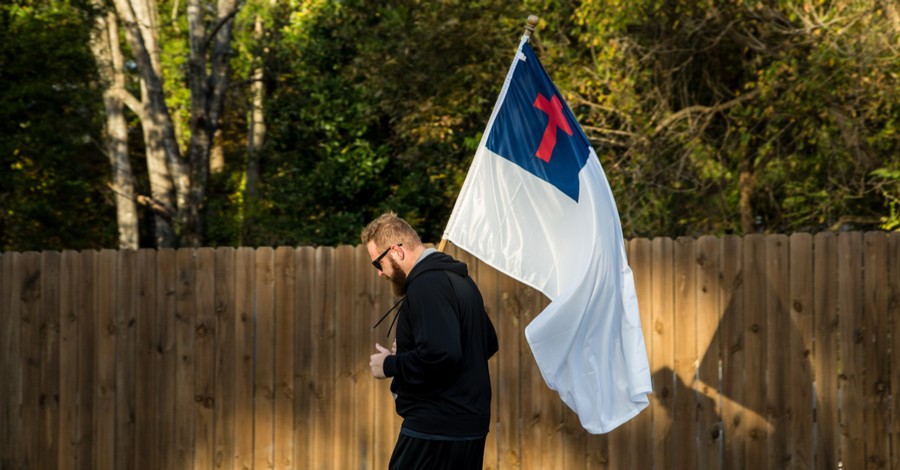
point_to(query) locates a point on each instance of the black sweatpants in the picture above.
(411, 453)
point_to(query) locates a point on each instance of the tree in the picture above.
(734, 116)
(111, 69)
(178, 183)
(373, 108)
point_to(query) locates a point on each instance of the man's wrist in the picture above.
(390, 366)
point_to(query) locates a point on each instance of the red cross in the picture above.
(557, 120)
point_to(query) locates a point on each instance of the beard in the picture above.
(398, 279)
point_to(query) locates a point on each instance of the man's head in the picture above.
(394, 246)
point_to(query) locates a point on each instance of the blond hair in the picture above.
(389, 229)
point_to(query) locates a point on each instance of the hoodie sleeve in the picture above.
(493, 345)
(437, 347)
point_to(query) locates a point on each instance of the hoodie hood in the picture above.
(437, 261)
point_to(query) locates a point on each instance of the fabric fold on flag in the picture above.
(536, 206)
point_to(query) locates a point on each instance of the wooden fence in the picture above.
(766, 352)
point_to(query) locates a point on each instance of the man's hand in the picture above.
(376, 361)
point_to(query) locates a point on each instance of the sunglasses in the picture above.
(377, 262)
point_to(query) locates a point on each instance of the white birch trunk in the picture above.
(167, 169)
(110, 64)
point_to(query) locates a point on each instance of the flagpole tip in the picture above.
(531, 24)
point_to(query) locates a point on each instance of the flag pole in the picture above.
(530, 26)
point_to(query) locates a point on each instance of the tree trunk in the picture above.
(179, 184)
(207, 97)
(169, 179)
(110, 65)
(162, 189)
(217, 154)
(256, 135)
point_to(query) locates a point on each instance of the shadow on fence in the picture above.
(767, 352)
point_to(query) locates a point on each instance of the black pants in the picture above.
(421, 454)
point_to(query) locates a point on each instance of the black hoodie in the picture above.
(444, 340)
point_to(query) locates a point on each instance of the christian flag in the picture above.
(536, 205)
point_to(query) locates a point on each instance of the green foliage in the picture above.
(687, 103)
(704, 114)
(53, 192)
(888, 182)
(374, 108)
(174, 41)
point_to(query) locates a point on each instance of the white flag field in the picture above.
(536, 206)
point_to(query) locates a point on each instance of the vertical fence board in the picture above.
(13, 439)
(778, 327)
(852, 345)
(825, 291)
(323, 364)
(126, 304)
(363, 312)
(68, 359)
(640, 258)
(166, 309)
(534, 416)
(800, 377)
(893, 264)
(877, 350)
(146, 364)
(48, 322)
(244, 307)
(30, 350)
(304, 400)
(225, 373)
(284, 358)
(755, 427)
(264, 360)
(731, 333)
(7, 364)
(709, 453)
(685, 400)
(204, 333)
(662, 347)
(86, 371)
(105, 356)
(622, 445)
(509, 334)
(345, 428)
(183, 367)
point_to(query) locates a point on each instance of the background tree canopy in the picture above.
(708, 117)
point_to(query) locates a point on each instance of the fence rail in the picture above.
(766, 351)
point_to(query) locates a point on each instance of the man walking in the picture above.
(444, 338)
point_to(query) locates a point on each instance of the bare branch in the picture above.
(134, 104)
(225, 19)
(700, 109)
(155, 206)
(854, 219)
(604, 130)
